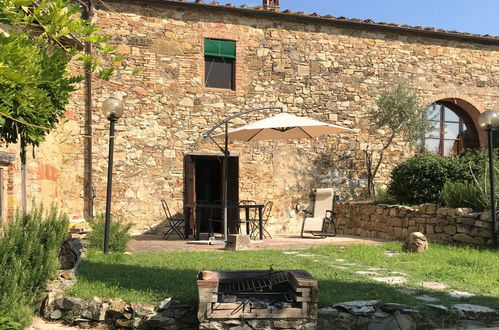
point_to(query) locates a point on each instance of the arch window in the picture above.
(452, 130)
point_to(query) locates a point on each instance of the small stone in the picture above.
(360, 272)
(96, 310)
(68, 303)
(68, 274)
(406, 291)
(159, 321)
(427, 298)
(327, 311)
(439, 307)
(392, 253)
(142, 309)
(461, 295)
(124, 323)
(359, 307)
(405, 321)
(117, 306)
(340, 260)
(56, 314)
(434, 285)
(390, 324)
(287, 324)
(475, 312)
(390, 279)
(392, 307)
(165, 304)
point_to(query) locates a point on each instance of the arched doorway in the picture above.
(453, 129)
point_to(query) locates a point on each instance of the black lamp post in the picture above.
(112, 108)
(488, 120)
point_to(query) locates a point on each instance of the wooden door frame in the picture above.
(190, 181)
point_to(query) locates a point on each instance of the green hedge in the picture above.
(119, 235)
(420, 179)
(29, 249)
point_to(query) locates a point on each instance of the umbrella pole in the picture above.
(226, 178)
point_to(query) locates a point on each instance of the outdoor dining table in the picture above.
(247, 208)
(190, 208)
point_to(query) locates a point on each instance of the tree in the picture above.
(39, 40)
(398, 112)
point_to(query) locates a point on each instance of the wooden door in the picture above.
(189, 193)
(233, 194)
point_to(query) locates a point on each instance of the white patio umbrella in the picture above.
(281, 126)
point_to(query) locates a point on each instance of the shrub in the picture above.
(29, 249)
(383, 197)
(421, 178)
(464, 194)
(8, 324)
(119, 235)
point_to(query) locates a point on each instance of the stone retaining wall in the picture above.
(440, 225)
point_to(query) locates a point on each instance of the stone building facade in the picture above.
(327, 68)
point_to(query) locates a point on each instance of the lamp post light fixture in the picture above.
(488, 120)
(112, 108)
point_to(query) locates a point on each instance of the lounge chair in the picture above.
(320, 221)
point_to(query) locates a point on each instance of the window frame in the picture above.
(209, 59)
(464, 122)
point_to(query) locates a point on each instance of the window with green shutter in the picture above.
(220, 56)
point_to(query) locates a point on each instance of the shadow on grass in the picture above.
(152, 284)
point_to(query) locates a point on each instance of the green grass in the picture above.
(150, 277)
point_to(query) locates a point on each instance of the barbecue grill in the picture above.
(262, 294)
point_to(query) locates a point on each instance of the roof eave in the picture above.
(334, 21)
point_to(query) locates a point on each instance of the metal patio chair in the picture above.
(252, 217)
(320, 222)
(174, 224)
(267, 209)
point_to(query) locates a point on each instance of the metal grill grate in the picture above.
(258, 284)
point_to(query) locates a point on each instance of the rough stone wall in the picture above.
(440, 225)
(310, 69)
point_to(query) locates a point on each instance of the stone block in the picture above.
(237, 242)
(466, 221)
(444, 211)
(463, 229)
(397, 232)
(415, 242)
(428, 208)
(463, 238)
(396, 222)
(483, 224)
(429, 229)
(485, 233)
(450, 229)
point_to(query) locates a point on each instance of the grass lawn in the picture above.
(151, 277)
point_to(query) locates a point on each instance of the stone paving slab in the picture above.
(155, 243)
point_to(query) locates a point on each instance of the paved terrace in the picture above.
(155, 243)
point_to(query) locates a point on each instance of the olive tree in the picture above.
(398, 112)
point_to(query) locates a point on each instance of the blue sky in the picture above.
(475, 16)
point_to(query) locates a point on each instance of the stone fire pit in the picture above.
(268, 298)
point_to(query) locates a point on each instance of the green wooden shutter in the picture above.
(220, 48)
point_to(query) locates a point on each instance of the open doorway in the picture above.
(204, 182)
